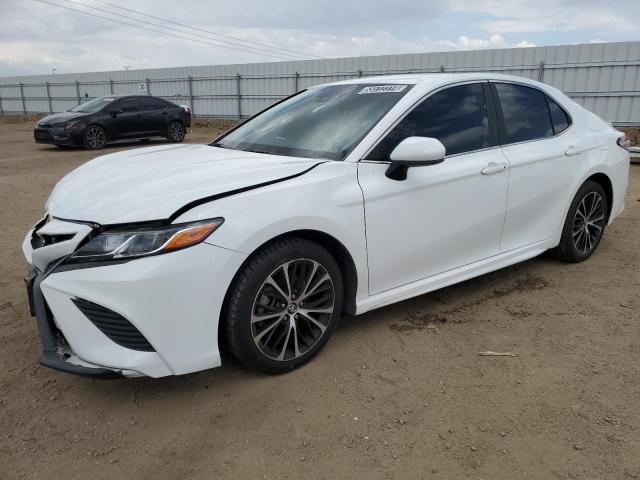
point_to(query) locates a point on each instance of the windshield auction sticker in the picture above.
(383, 89)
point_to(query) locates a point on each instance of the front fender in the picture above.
(327, 199)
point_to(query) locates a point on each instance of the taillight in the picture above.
(624, 142)
(189, 111)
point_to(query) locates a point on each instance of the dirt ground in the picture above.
(399, 393)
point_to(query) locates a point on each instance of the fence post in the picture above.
(111, 86)
(541, 71)
(295, 82)
(239, 94)
(49, 97)
(78, 92)
(193, 111)
(1, 111)
(148, 87)
(24, 107)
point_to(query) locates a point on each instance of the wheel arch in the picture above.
(605, 182)
(332, 245)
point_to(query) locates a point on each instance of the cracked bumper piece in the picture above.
(153, 316)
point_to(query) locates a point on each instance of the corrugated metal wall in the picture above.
(603, 77)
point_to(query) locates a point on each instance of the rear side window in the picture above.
(152, 103)
(559, 117)
(126, 105)
(456, 116)
(526, 115)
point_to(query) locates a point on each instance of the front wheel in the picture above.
(94, 137)
(584, 225)
(283, 306)
(176, 132)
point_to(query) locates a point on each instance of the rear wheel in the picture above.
(94, 137)
(584, 225)
(176, 132)
(284, 305)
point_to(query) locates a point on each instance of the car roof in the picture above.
(431, 80)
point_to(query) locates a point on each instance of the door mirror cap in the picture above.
(115, 112)
(414, 152)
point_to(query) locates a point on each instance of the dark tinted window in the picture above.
(151, 103)
(456, 116)
(559, 117)
(526, 116)
(126, 105)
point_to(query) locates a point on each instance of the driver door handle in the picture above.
(492, 168)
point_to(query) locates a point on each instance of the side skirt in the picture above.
(451, 277)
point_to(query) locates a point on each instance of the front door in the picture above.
(442, 216)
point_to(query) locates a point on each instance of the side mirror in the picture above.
(414, 152)
(115, 113)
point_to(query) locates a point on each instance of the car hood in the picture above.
(152, 183)
(60, 118)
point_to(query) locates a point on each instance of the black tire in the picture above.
(94, 137)
(579, 238)
(176, 131)
(255, 344)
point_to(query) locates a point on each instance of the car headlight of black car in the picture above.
(134, 243)
(71, 124)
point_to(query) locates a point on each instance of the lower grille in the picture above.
(114, 326)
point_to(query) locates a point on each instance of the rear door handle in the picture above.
(574, 150)
(492, 168)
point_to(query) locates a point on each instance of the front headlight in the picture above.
(71, 124)
(132, 243)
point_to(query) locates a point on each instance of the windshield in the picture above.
(326, 122)
(92, 106)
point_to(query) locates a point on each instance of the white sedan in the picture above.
(340, 199)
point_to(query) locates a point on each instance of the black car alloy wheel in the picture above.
(95, 137)
(176, 132)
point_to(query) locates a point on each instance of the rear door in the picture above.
(442, 216)
(540, 144)
(155, 114)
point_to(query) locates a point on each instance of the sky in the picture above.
(39, 36)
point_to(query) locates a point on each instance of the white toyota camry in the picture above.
(337, 200)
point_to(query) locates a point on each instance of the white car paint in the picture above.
(471, 214)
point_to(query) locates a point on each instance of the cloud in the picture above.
(38, 37)
(525, 16)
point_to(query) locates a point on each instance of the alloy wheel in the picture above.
(292, 310)
(95, 137)
(176, 131)
(588, 222)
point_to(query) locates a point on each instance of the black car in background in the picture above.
(107, 119)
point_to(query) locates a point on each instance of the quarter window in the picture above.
(559, 117)
(456, 116)
(525, 111)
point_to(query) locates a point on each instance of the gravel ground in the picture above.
(400, 392)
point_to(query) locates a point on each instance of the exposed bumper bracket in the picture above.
(49, 356)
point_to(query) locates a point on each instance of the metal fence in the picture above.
(604, 78)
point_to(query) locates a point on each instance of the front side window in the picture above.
(525, 111)
(456, 116)
(127, 105)
(325, 122)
